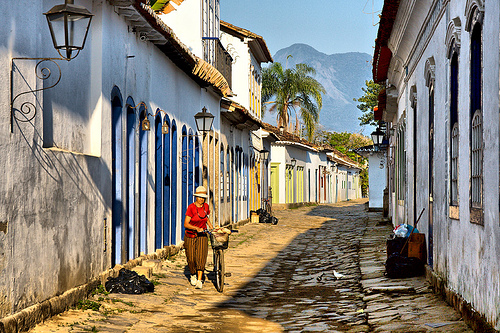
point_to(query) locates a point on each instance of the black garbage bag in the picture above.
(129, 282)
(399, 267)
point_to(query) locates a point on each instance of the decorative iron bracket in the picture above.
(27, 110)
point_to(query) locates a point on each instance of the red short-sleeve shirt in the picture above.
(199, 217)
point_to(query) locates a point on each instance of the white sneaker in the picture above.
(193, 280)
(199, 284)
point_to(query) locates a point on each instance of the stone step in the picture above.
(146, 271)
(155, 264)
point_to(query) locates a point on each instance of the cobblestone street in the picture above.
(319, 270)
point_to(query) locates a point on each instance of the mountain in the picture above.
(342, 75)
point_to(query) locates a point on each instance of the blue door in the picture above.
(197, 171)
(184, 174)
(173, 185)
(143, 173)
(131, 124)
(158, 182)
(190, 165)
(233, 210)
(166, 184)
(117, 173)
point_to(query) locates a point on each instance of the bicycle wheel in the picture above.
(220, 272)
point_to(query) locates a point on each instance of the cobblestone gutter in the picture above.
(27, 318)
(473, 318)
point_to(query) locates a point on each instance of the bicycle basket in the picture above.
(219, 240)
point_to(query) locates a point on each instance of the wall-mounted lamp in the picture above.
(204, 120)
(282, 129)
(264, 154)
(146, 126)
(377, 137)
(164, 127)
(293, 162)
(69, 25)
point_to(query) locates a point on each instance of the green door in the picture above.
(275, 188)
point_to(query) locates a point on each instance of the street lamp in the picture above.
(377, 137)
(69, 25)
(282, 128)
(264, 154)
(204, 120)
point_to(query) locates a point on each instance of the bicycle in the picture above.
(265, 213)
(267, 206)
(219, 242)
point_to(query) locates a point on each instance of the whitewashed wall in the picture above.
(465, 254)
(377, 180)
(60, 162)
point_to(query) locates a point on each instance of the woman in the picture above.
(195, 241)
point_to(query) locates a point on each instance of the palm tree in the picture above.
(293, 89)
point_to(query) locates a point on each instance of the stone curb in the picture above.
(473, 318)
(29, 317)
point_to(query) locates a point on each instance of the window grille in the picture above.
(477, 160)
(454, 165)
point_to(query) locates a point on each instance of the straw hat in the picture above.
(201, 192)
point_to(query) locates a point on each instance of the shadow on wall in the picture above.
(94, 178)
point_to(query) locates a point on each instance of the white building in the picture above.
(439, 62)
(377, 176)
(301, 172)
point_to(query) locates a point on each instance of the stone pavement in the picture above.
(319, 270)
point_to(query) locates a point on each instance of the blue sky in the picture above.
(330, 26)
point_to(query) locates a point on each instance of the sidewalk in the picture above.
(400, 305)
(283, 280)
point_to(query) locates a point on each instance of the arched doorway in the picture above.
(143, 174)
(173, 185)
(184, 169)
(131, 157)
(158, 182)
(116, 175)
(166, 181)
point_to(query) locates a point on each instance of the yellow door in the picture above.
(275, 188)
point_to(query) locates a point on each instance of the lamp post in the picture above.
(69, 25)
(204, 120)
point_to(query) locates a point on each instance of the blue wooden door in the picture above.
(184, 167)
(131, 123)
(173, 185)
(117, 173)
(197, 171)
(166, 184)
(158, 182)
(143, 176)
(190, 166)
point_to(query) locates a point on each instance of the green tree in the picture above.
(368, 102)
(346, 142)
(293, 89)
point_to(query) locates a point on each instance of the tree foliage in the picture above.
(346, 142)
(368, 102)
(294, 91)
